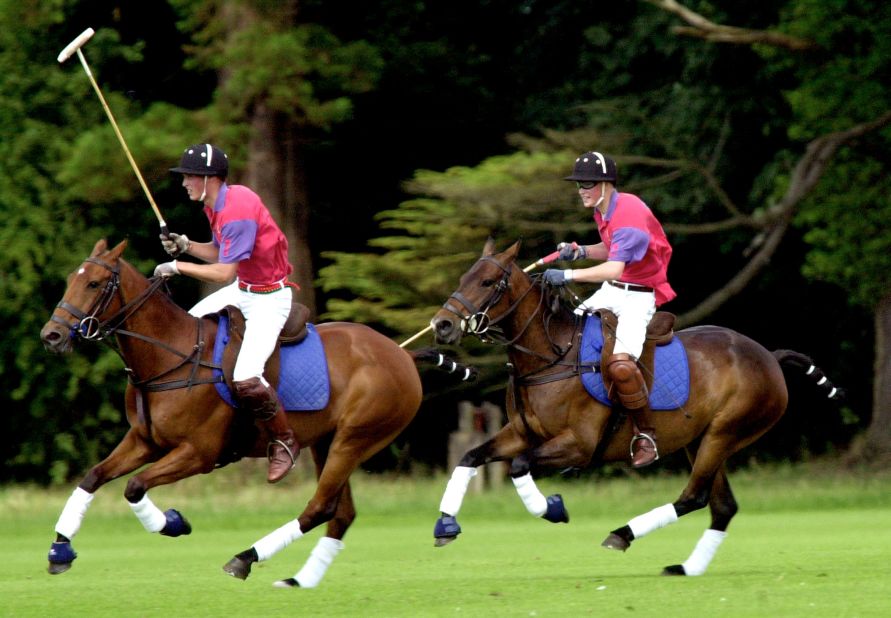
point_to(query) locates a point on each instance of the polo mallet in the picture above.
(550, 257)
(74, 47)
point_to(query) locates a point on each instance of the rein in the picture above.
(90, 327)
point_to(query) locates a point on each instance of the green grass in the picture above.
(808, 541)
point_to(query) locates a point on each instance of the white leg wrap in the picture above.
(152, 518)
(277, 540)
(455, 490)
(534, 500)
(642, 525)
(323, 554)
(704, 551)
(73, 513)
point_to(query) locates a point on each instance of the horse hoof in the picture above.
(58, 567)
(614, 541)
(286, 583)
(238, 567)
(556, 512)
(445, 531)
(176, 525)
(675, 569)
(443, 540)
(61, 555)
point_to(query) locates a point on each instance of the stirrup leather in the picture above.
(643, 436)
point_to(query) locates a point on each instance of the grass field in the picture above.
(806, 542)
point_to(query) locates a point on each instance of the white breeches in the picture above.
(634, 311)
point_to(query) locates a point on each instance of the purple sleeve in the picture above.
(629, 244)
(237, 240)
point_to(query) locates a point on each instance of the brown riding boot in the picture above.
(633, 395)
(263, 403)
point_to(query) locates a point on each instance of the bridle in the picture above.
(477, 322)
(90, 326)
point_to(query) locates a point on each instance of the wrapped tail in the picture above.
(796, 360)
(434, 357)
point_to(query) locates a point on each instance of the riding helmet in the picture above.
(203, 160)
(593, 166)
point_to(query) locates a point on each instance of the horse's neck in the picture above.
(157, 318)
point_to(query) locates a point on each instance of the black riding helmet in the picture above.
(203, 160)
(594, 167)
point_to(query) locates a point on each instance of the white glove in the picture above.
(167, 269)
(175, 244)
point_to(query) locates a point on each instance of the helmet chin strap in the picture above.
(204, 192)
(602, 195)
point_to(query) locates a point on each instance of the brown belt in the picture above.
(631, 287)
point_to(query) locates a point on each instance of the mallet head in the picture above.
(76, 44)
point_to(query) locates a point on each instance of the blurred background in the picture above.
(391, 139)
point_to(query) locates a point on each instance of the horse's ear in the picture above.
(99, 247)
(489, 248)
(513, 250)
(115, 253)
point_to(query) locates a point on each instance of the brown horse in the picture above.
(737, 392)
(182, 427)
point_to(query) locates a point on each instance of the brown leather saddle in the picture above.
(660, 331)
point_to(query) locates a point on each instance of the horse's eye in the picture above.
(487, 283)
(93, 285)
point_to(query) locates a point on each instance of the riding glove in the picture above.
(175, 244)
(557, 277)
(167, 269)
(570, 251)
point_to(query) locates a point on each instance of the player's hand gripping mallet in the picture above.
(74, 47)
(550, 257)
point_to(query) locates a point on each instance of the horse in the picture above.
(737, 391)
(181, 426)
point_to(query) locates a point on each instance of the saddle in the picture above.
(660, 332)
(294, 331)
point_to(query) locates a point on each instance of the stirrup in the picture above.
(284, 446)
(643, 436)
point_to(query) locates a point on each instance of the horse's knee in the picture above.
(688, 504)
(135, 490)
(519, 466)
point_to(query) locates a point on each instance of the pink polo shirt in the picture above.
(632, 234)
(246, 233)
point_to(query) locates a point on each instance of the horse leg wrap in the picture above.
(655, 519)
(277, 540)
(704, 551)
(176, 525)
(447, 527)
(455, 490)
(556, 512)
(323, 554)
(534, 500)
(73, 513)
(153, 520)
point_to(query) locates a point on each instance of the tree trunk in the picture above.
(275, 172)
(874, 446)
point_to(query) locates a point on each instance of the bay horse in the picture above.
(181, 426)
(737, 392)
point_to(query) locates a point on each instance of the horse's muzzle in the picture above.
(55, 338)
(446, 330)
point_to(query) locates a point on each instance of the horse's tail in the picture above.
(431, 355)
(796, 360)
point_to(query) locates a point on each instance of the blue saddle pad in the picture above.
(671, 385)
(303, 380)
